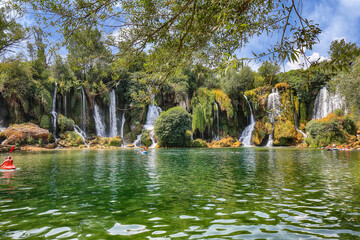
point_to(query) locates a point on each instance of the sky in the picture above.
(338, 19)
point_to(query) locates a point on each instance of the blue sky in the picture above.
(337, 18)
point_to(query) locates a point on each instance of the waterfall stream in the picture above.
(99, 122)
(152, 114)
(81, 133)
(274, 108)
(122, 129)
(113, 117)
(326, 103)
(54, 113)
(246, 135)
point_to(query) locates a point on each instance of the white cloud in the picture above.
(303, 62)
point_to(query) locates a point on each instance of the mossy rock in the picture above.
(108, 141)
(70, 139)
(199, 143)
(285, 134)
(145, 138)
(261, 130)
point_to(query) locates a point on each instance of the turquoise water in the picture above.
(247, 193)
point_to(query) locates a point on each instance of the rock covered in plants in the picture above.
(262, 129)
(171, 128)
(199, 143)
(333, 129)
(107, 141)
(22, 133)
(70, 139)
(285, 134)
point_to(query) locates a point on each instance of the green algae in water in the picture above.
(247, 193)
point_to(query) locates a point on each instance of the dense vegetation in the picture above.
(175, 59)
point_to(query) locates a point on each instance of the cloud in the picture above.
(303, 63)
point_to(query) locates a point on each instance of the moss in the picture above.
(108, 141)
(285, 134)
(262, 129)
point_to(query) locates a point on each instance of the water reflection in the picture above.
(249, 193)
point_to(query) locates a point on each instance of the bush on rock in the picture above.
(171, 128)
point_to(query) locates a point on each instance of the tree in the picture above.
(269, 71)
(11, 32)
(186, 28)
(233, 83)
(343, 54)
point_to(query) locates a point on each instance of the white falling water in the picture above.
(326, 103)
(54, 113)
(81, 133)
(153, 113)
(297, 124)
(99, 123)
(113, 118)
(274, 108)
(273, 105)
(271, 139)
(83, 109)
(246, 135)
(122, 129)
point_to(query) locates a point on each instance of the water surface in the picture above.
(247, 193)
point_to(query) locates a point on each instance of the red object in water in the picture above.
(8, 163)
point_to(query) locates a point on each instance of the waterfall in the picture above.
(246, 135)
(99, 123)
(54, 113)
(326, 103)
(274, 108)
(113, 118)
(271, 139)
(152, 114)
(273, 105)
(122, 129)
(83, 109)
(297, 124)
(81, 133)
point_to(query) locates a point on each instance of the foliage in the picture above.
(285, 134)
(343, 54)
(233, 83)
(329, 130)
(45, 122)
(171, 128)
(199, 143)
(70, 139)
(269, 72)
(65, 124)
(224, 102)
(145, 138)
(11, 32)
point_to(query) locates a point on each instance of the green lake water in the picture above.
(245, 193)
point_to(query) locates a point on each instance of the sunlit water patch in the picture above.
(249, 193)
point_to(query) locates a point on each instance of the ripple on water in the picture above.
(29, 233)
(127, 230)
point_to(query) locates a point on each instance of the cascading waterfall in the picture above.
(153, 113)
(54, 113)
(246, 135)
(83, 109)
(326, 103)
(297, 125)
(99, 123)
(274, 108)
(81, 133)
(122, 129)
(113, 117)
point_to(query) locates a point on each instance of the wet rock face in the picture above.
(20, 133)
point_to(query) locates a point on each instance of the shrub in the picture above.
(65, 124)
(171, 128)
(198, 143)
(145, 138)
(30, 140)
(45, 122)
(339, 112)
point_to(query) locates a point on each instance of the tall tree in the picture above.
(11, 32)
